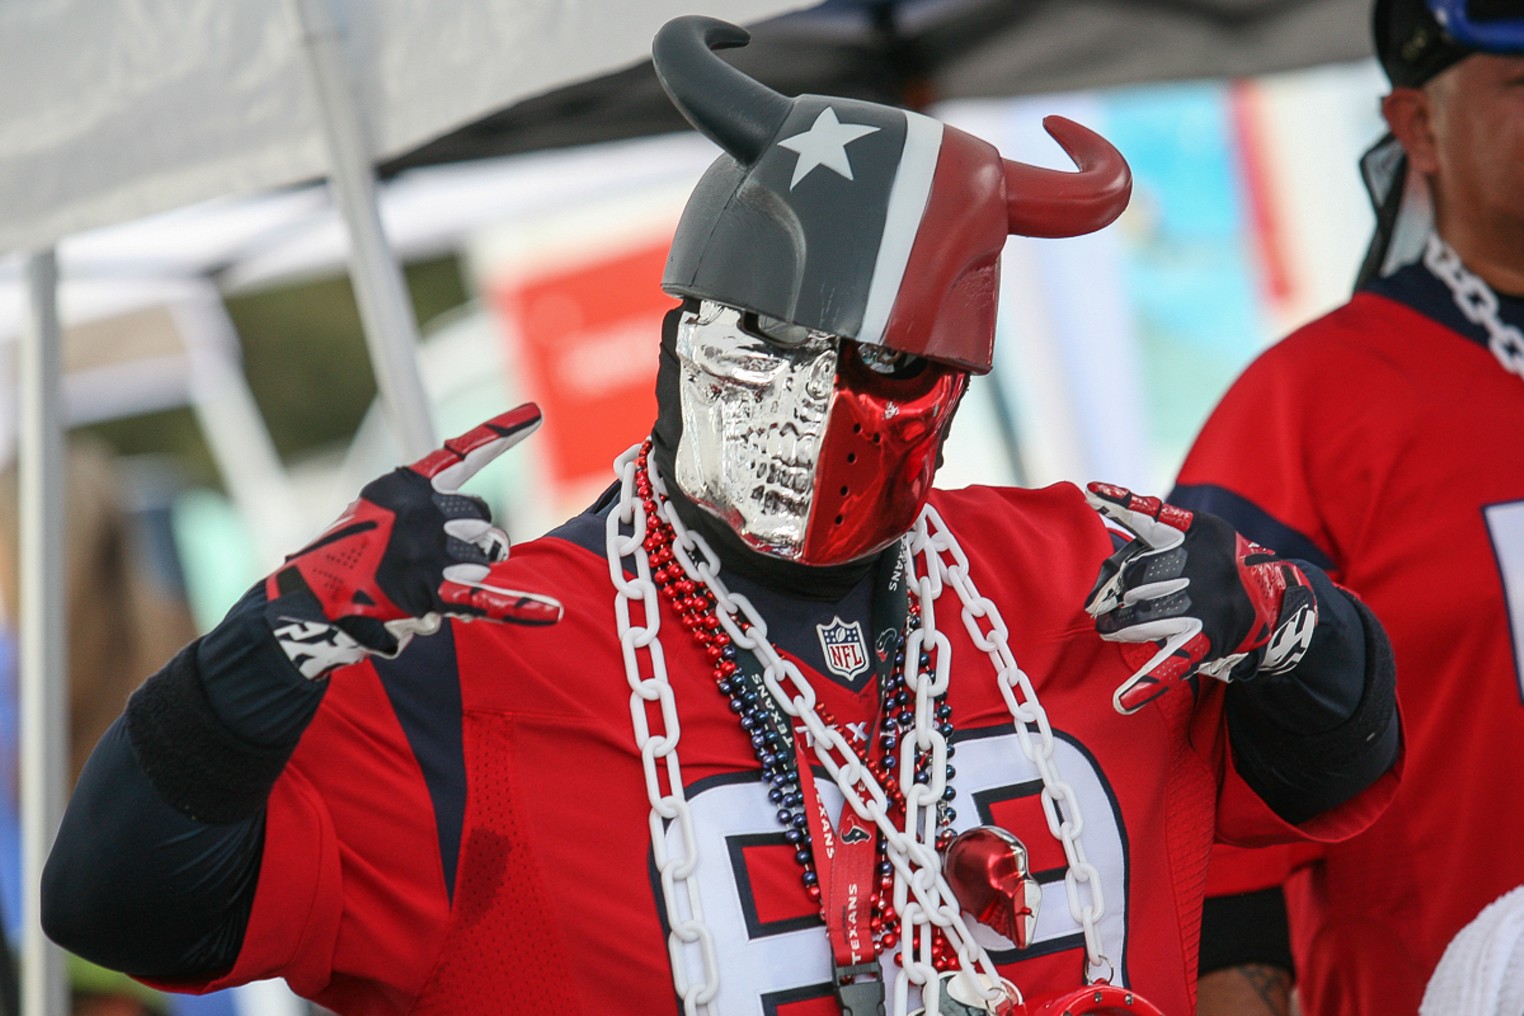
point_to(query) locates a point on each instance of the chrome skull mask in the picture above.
(811, 448)
(753, 413)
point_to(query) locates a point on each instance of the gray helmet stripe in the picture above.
(908, 197)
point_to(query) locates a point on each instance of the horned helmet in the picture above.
(839, 264)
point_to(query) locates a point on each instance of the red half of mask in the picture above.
(877, 457)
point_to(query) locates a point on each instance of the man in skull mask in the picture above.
(568, 817)
(1408, 482)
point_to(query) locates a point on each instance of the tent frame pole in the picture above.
(386, 308)
(43, 646)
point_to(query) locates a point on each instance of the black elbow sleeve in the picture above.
(1301, 774)
(197, 764)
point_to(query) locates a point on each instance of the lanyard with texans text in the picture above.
(845, 853)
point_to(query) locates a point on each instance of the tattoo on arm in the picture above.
(1271, 984)
(1248, 989)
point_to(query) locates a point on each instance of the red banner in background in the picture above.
(586, 337)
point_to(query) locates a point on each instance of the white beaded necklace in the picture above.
(922, 896)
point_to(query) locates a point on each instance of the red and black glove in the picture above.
(1197, 596)
(409, 552)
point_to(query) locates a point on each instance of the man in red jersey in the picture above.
(1380, 442)
(780, 729)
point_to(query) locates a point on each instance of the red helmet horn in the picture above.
(1053, 203)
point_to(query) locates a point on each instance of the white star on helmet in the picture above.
(824, 144)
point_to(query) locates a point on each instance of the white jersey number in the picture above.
(765, 964)
(1505, 526)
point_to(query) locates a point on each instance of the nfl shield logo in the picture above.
(846, 654)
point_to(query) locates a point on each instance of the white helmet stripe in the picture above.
(908, 197)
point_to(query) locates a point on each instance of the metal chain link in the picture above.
(922, 897)
(1478, 302)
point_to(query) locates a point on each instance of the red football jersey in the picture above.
(1384, 442)
(531, 887)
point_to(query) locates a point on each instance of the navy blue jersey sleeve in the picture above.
(135, 884)
(155, 865)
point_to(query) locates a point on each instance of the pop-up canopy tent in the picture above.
(915, 52)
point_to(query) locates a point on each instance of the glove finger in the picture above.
(1165, 628)
(1127, 573)
(1159, 525)
(463, 592)
(1170, 667)
(460, 552)
(1106, 594)
(462, 457)
(454, 504)
(1161, 599)
(481, 534)
(1146, 611)
(466, 573)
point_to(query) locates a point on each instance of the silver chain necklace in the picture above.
(1477, 302)
(922, 896)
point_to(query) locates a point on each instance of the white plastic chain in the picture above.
(637, 642)
(914, 857)
(922, 896)
(1478, 302)
(935, 544)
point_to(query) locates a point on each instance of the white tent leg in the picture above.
(43, 648)
(386, 309)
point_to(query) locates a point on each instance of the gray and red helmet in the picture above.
(868, 222)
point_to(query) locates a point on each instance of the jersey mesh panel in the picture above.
(1190, 802)
(500, 926)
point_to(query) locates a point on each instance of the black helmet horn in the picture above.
(736, 112)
